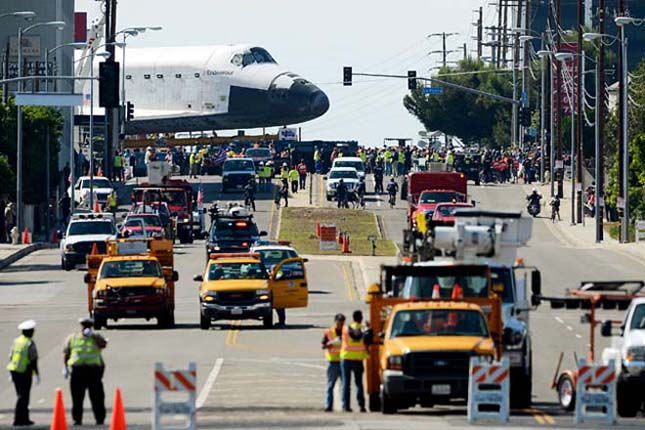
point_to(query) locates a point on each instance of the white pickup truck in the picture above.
(628, 351)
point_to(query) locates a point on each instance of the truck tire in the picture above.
(100, 322)
(204, 322)
(375, 402)
(628, 402)
(566, 390)
(521, 392)
(65, 265)
(387, 404)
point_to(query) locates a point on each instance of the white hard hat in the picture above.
(27, 325)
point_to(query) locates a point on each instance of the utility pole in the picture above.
(480, 33)
(558, 103)
(516, 63)
(497, 42)
(600, 98)
(465, 51)
(111, 115)
(526, 23)
(622, 192)
(579, 107)
(542, 111)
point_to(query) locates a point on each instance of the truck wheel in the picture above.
(267, 321)
(387, 404)
(628, 401)
(65, 265)
(521, 392)
(204, 322)
(100, 322)
(375, 402)
(170, 319)
(190, 238)
(328, 198)
(566, 393)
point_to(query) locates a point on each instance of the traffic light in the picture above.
(347, 76)
(109, 85)
(129, 111)
(525, 116)
(412, 79)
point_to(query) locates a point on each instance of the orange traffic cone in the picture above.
(340, 238)
(318, 229)
(25, 237)
(346, 245)
(99, 172)
(457, 292)
(118, 415)
(95, 249)
(59, 422)
(436, 291)
(96, 206)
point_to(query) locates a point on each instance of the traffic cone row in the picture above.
(99, 173)
(96, 206)
(117, 422)
(340, 237)
(26, 237)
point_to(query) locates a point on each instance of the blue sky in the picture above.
(316, 39)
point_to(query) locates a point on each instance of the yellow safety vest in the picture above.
(388, 155)
(19, 354)
(316, 155)
(352, 349)
(284, 174)
(293, 175)
(401, 157)
(112, 201)
(451, 159)
(363, 156)
(332, 352)
(84, 351)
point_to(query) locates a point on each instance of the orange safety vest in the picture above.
(351, 349)
(332, 352)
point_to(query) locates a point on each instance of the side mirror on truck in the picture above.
(536, 282)
(198, 278)
(605, 328)
(87, 278)
(175, 276)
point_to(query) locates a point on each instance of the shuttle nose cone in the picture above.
(318, 103)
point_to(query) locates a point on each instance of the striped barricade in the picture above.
(175, 380)
(596, 392)
(488, 390)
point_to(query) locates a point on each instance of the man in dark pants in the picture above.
(23, 363)
(85, 366)
(352, 353)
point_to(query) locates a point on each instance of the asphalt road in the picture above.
(249, 377)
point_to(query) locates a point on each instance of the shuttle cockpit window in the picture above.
(252, 56)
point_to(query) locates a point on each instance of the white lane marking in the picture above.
(1, 417)
(578, 336)
(40, 401)
(201, 399)
(569, 328)
(558, 319)
(338, 400)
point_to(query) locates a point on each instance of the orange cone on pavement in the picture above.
(95, 249)
(96, 206)
(346, 245)
(25, 237)
(318, 229)
(118, 415)
(59, 422)
(99, 173)
(340, 238)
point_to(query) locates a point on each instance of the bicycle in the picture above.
(392, 200)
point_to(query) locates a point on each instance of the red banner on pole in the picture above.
(80, 27)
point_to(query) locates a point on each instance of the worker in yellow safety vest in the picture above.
(331, 343)
(352, 353)
(284, 172)
(117, 172)
(294, 178)
(85, 367)
(113, 202)
(317, 165)
(23, 364)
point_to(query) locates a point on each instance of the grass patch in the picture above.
(613, 228)
(298, 225)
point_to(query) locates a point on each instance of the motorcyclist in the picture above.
(341, 194)
(534, 198)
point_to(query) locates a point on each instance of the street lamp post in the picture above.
(102, 55)
(60, 25)
(28, 16)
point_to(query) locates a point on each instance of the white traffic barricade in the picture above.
(639, 228)
(488, 390)
(596, 392)
(175, 380)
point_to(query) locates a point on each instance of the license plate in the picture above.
(130, 312)
(515, 358)
(441, 389)
(236, 311)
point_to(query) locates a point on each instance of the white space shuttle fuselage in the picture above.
(213, 88)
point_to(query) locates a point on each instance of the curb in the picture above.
(22, 253)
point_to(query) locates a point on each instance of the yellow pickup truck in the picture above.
(238, 286)
(134, 279)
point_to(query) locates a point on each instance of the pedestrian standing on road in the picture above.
(65, 206)
(113, 202)
(331, 343)
(283, 193)
(294, 178)
(23, 364)
(117, 172)
(10, 217)
(249, 194)
(352, 353)
(84, 365)
(302, 173)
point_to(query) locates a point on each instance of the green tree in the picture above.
(471, 117)
(38, 122)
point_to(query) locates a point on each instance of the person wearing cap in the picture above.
(23, 364)
(84, 365)
(331, 344)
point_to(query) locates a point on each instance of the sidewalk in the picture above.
(9, 254)
(581, 235)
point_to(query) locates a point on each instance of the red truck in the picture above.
(427, 189)
(178, 195)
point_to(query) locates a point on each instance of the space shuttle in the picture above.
(223, 87)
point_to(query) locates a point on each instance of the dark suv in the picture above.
(232, 234)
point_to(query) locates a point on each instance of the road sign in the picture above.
(327, 237)
(433, 90)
